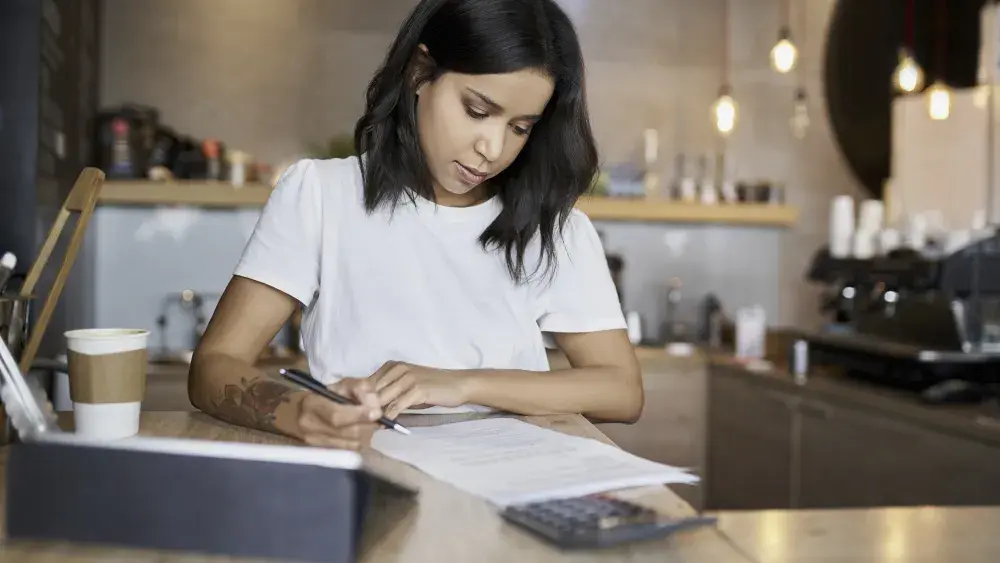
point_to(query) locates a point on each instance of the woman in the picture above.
(430, 268)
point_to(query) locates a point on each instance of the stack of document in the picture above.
(507, 461)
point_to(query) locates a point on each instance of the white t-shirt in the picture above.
(417, 286)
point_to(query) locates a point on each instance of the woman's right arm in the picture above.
(225, 383)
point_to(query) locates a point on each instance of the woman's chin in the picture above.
(459, 193)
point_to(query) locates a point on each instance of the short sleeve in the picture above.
(284, 248)
(581, 296)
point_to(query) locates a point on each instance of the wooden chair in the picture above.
(81, 200)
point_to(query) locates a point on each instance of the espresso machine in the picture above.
(924, 320)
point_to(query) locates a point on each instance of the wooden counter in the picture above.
(223, 195)
(889, 535)
(449, 525)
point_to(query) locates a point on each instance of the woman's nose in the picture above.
(490, 143)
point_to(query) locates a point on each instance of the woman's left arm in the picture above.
(604, 383)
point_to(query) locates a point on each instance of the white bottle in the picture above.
(633, 323)
(689, 186)
(751, 329)
(708, 194)
(841, 226)
(237, 168)
(728, 189)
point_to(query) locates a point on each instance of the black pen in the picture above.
(307, 381)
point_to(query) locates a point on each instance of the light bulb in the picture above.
(724, 112)
(939, 101)
(784, 53)
(908, 74)
(800, 114)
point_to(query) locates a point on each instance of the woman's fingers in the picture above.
(406, 400)
(318, 432)
(321, 411)
(382, 373)
(361, 390)
(325, 423)
(388, 373)
(395, 389)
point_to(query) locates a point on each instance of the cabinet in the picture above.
(749, 457)
(778, 446)
(852, 458)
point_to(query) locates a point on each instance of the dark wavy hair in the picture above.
(559, 161)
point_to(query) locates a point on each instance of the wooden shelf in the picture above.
(641, 210)
(223, 195)
(194, 193)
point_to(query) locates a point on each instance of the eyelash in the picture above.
(478, 116)
(475, 114)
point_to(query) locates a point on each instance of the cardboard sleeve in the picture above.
(107, 378)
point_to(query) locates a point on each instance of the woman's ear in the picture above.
(421, 68)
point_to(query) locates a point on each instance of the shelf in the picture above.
(194, 193)
(641, 210)
(223, 195)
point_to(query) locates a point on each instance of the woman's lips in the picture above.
(469, 176)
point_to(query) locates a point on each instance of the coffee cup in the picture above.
(107, 380)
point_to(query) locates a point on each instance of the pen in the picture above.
(7, 264)
(307, 381)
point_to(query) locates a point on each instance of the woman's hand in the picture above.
(322, 422)
(401, 386)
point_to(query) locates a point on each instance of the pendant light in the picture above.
(784, 54)
(800, 109)
(939, 94)
(908, 76)
(724, 110)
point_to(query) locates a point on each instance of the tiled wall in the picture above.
(271, 76)
(144, 259)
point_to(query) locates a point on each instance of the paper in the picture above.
(508, 461)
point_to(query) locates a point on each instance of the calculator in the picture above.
(596, 521)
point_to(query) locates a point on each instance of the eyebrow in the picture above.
(497, 107)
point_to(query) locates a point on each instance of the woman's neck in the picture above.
(476, 196)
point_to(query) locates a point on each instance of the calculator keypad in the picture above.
(584, 515)
(596, 520)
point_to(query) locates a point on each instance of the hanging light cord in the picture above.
(725, 42)
(910, 44)
(801, 32)
(942, 39)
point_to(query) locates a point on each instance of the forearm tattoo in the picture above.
(252, 403)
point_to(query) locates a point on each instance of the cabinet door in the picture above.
(853, 458)
(749, 445)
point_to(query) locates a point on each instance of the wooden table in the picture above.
(884, 535)
(448, 525)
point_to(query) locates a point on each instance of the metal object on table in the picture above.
(28, 409)
(15, 312)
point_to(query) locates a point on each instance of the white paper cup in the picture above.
(107, 376)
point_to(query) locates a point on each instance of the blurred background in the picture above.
(797, 205)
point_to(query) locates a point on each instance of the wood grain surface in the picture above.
(447, 525)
